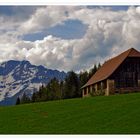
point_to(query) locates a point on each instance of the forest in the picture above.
(57, 90)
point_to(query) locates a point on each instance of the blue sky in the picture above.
(70, 29)
(115, 8)
(67, 37)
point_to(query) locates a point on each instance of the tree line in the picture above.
(57, 90)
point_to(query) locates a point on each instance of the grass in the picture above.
(118, 114)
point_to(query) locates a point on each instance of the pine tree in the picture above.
(92, 71)
(54, 89)
(25, 99)
(71, 86)
(62, 89)
(18, 101)
(34, 97)
(99, 65)
(83, 77)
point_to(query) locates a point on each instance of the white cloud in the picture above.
(47, 17)
(109, 33)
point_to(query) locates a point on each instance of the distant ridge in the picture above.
(18, 77)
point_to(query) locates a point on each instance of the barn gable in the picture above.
(110, 66)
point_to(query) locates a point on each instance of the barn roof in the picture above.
(110, 66)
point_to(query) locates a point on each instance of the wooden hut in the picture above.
(120, 74)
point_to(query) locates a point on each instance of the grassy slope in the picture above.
(119, 114)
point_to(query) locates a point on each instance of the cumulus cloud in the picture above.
(109, 33)
(47, 17)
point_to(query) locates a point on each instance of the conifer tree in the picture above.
(92, 71)
(71, 86)
(25, 99)
(99, 65)
(18, 101)
(83, 78)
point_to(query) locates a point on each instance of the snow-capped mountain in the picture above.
(18, 77)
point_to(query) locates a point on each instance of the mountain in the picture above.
(18, 77)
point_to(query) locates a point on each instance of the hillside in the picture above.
(18, 77)
(118, 114)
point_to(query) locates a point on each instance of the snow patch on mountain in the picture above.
(18, 77)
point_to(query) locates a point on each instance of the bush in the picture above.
(98, 93)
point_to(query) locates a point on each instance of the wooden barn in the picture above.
(120, 74)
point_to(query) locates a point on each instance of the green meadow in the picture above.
(117, 114)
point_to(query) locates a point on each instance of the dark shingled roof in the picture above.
(110, 66)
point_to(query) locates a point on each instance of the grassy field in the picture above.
(118, 114)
